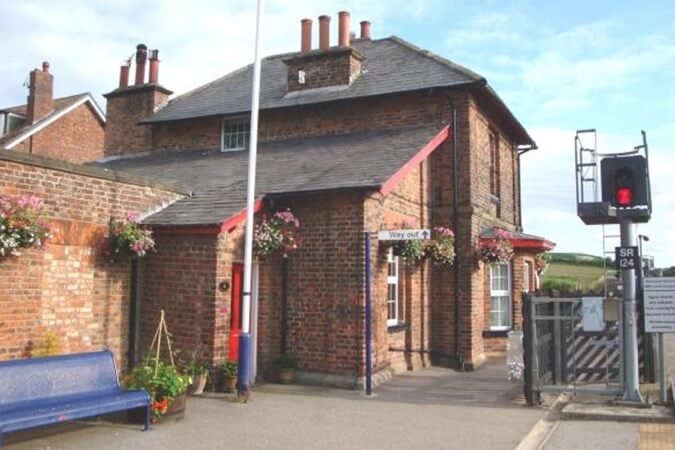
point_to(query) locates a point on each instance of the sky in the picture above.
(559, 66)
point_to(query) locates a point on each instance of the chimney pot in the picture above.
(141, 58)
(343, 34)
(365, 30)
(45, 66)
(124, 74)
(306, 35)
(324, 32)
(154, 67)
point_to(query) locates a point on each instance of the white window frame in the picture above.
(501, 293)
(527, 274)
(392, 280)
(238, 139)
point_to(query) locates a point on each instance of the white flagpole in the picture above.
(245, 337)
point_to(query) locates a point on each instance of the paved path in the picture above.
(581, 435)
(430, 409)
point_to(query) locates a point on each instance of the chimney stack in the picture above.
(40, 94)
(141, 58)
(124, 73)
(343, 34)
(154, 67)
(306, 35)
(324, 32)
(365, 30)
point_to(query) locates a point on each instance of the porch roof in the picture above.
(356, 161)
(521, 240)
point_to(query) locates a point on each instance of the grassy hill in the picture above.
(574, 271)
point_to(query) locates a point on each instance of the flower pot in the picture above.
(176, 410)
(197, 386)
(286, 376)
(230, 383)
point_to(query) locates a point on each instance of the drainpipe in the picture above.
(133, 316)
(455, 223)
(284, 304)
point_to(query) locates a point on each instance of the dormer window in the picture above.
(235, 134)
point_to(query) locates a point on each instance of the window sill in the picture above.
(497, 333)
(397, 327)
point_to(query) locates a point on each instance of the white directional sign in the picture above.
(659, 305)
(404, 235)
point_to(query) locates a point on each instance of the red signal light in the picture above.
(624, 196)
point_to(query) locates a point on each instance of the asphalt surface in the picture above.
(580, 435)
(430, 409)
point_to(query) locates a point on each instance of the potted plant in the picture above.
(21, 224)
(230, 370)
(276, 234)
(128, 238)
(166, 386)
(412, 250)
(497, 249)
(199, 372)
(441, 247)
(287, 364)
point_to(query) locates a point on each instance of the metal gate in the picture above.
(561, 357)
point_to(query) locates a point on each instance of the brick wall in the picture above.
(125, 108)
(314, 120)
(322, 68)
(181, 279)
(76, 137)
(70, 288)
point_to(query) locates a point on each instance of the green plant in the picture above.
(196, 367)
(21, 224)
(129, 238)
(230, 368)
(163, 382)
(50, 346)
(412, 250)
(287, 361)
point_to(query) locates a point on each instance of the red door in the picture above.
(235, 323)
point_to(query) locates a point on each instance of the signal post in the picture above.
(626, 200)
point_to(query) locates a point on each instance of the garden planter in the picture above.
(286, 376)
(229, 383)
(175, 412)
(197, 386)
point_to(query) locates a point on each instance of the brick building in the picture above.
(363, 136)
(67, 128)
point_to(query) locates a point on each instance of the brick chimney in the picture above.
(306, 35)
(327, 66)
(40, 94)
(365, 29)
(127, 105)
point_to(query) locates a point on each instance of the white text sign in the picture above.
(403, 235)
(659, 305)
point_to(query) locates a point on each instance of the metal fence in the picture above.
(560, 356)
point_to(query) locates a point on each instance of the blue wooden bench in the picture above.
(55, 389)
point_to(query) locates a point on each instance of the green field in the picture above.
(574, 275)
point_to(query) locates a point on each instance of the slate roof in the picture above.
(328, 163)
(390, 65)
(60, 105)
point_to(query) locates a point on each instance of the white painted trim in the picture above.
(54, 116)
(502, 293)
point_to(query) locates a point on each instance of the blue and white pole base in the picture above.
(244, 369)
